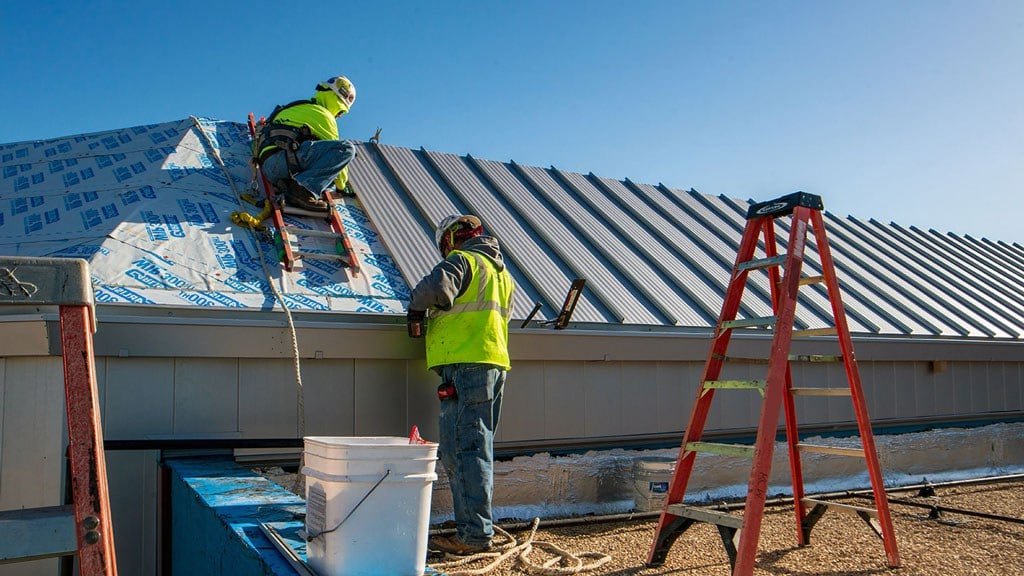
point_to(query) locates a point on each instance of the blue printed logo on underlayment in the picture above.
(210, 299)
(300, 302)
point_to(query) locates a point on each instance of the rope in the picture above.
(561, 563)
(300, 393)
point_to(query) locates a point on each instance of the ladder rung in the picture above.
(849, 508)
(305, 232)
(836, 450)
(736, 384)
(805, 280)
(721, 448)
(750, 322)
(318, 256)
(762, 263)
(815, 332)
(292, 210)
(703, 515)
(815, 358)
(820, 391)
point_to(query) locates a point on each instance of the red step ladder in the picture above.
(740, 534)
(46, 532)
(284, 235)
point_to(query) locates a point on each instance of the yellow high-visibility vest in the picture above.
(475, 329)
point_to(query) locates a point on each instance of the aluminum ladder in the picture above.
(740, 534)
(84, 527)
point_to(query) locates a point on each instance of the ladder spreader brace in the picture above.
(65, 283)
(283, 234)
(740, 534)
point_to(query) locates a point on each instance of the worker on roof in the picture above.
(299, 149)
(467, 302)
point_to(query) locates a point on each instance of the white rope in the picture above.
(561, 563)
(300, 393)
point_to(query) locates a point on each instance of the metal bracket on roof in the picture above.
(568, 307)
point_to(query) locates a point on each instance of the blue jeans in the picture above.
(319, 164)
(467, 424)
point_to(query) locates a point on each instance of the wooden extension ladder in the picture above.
(285, 236)
(85, 527)
(740, 535)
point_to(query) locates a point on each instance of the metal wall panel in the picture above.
(133, 480)
(602, 399)
(206, 396)
(268, 398)
(330, 397)
(638, 399)
(381, 398)
(140, 397)
(677, 390)
(523, 405)
(564, 394)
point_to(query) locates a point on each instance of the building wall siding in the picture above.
(545, 401)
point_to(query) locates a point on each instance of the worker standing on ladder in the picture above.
(299, 149)
(469, 299)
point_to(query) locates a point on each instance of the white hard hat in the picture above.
(341, 86)
(448, 222)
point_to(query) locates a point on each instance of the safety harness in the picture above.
(283, 136)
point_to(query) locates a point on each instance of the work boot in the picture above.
(297, 196)
(453, 545)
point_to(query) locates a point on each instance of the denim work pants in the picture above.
(319, 163)
(468, 423)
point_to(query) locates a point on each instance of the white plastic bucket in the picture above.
(651, 479)
(387, 532)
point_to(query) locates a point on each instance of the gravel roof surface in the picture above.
(841, 544)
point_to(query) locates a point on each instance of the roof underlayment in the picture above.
(149, 208)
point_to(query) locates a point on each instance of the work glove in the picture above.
(414, 322)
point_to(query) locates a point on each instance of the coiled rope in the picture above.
(562, 562)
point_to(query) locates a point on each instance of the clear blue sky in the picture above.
(908, 111)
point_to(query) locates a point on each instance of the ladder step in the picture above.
(300, 212)
(815, 358)
(703, 515)
(848, 508)
(762, 263)
(318, 256)
(750, 322)
(805, 280)
(736, 384)
(316, 233)
(820, 391)
(34, 533)
(815, 332)
(721, 448)
(835, 450)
